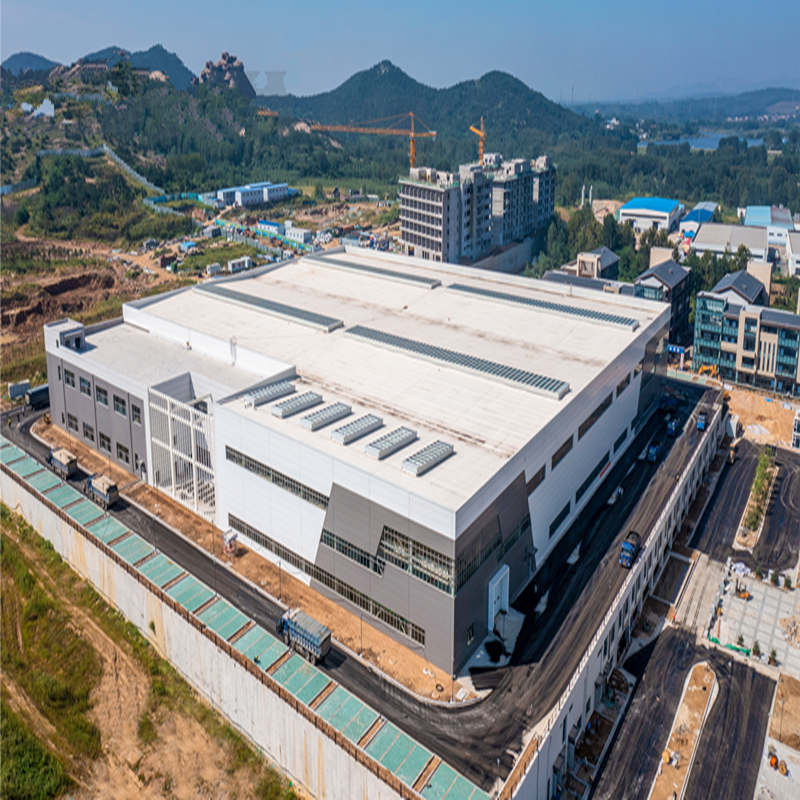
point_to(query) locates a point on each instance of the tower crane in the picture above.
(367, 127)
(481, 134)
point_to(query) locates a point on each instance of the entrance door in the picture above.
(498, 594)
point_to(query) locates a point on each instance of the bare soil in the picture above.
(765, 419)
(685, 733)
(784, 724)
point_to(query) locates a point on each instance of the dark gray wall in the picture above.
(120, 429)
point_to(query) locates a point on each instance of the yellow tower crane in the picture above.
(481, 134)
(411, 132)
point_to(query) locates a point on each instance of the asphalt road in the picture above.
(476, 739)
(778, 546)
(729, 751)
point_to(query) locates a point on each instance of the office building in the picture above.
(411, 440)
(644, 213)
(748, 344)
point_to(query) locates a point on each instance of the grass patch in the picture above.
(44, 655)
(169, 693)
(222, 254)
(759, 490)
(27, 769)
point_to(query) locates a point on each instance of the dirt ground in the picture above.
(784, 724)
(374, 646)
(685, 732)
(182, 762)
(765, 419)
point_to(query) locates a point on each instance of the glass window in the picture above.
(86, 387)
(623, 384)
(535, 480)
(101, 395)
(136, 414)
(123, 454)
(560, 517)
(562, 451)
(72, 422)
(593, 417)
(120, 406)
(104, 442)
(88, 432)
(470, 634)
(69, 378)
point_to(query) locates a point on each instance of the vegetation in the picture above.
(28, 770)
(169, 693)
(760, 490)
(222, 254)
(756, 649)
(784, 292)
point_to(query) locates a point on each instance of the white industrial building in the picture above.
(793, 252)
(253, 194)
(411, 439)
(719, 238)
(644, 213)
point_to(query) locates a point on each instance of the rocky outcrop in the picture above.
(228, 72)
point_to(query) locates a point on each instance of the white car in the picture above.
(615, 495)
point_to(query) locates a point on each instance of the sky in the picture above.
(570, 49)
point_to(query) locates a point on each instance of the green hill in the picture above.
(157, 57)
(18, 63)
(519, 120)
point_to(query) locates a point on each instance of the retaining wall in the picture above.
(311, 752)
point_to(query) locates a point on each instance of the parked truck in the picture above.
(63, 462)
(672, 427)
(631, 545)
(653, 452)
(307, 636)
(702, 421)
(38, 397)
(103, 490)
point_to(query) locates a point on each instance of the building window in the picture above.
(59, 372)
(136, 414)
(560, 517)
(620, 440)
(535, 480)
(88, 432)
(85, 386)
(72, 422)
(123, 454)
(562, 451)
(104, 442)
(592, 477)
(470, 634)
(278, 478)
(593, 417)
(69, 378)
(420, 560)
(623, 384)
(120, 406)
(352, 552)
(101, 395)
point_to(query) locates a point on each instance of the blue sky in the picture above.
(592, 50)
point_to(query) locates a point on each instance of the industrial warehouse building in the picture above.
(410, 439)
(645, 213)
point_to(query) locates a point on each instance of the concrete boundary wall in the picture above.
(290, 734)
(533, 775)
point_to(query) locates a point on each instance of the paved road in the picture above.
(728, 754)
(778, 546)
(476, 739)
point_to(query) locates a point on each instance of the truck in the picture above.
(304, 634)
(702, 421)
(38, 397)
(63, 462)
(672, 427)
(102, 490)
(653, 452)
(631, 545)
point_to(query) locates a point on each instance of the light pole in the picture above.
(361, 619)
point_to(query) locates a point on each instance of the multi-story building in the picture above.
(513, 204)
(793, 252)
(387, 429)
(748, 344)
(544, 191)
(670, 283)
(796, 431)
(476, 211)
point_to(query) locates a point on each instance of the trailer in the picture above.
(38, 397)
(303, 633)
(631, 545)
(103, 490)
(63, 462)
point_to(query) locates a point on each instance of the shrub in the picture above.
(787, 582)
(756, 649)
(775, 578)
(740, 640)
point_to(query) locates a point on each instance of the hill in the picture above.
(155, 58)
(18, 63)
(516, 116)
(772, 103)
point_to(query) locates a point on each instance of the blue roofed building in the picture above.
(702, 212)
(645, 213)
(776, 219)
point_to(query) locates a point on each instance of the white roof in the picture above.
(717, 236)
(485, 418)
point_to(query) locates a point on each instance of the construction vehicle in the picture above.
(481, 134)
(654, 451)
(304, 634)
(629, 550)
(63, 462)
(709, 369)
(741, 590)
(411, 132)
(102, 490)
(38, 397)
(702, 421)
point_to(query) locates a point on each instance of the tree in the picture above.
(22, 216)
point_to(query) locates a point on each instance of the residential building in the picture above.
(416, 466)
(748, 344)
(430, 214)
(513, 205)
(476, 212)
(716, 238)
(776, 219)
(598, 263)
(793, 252)
(670, 283)
(544, 191)
(796, 430)
(644, 213)
(742, 287)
